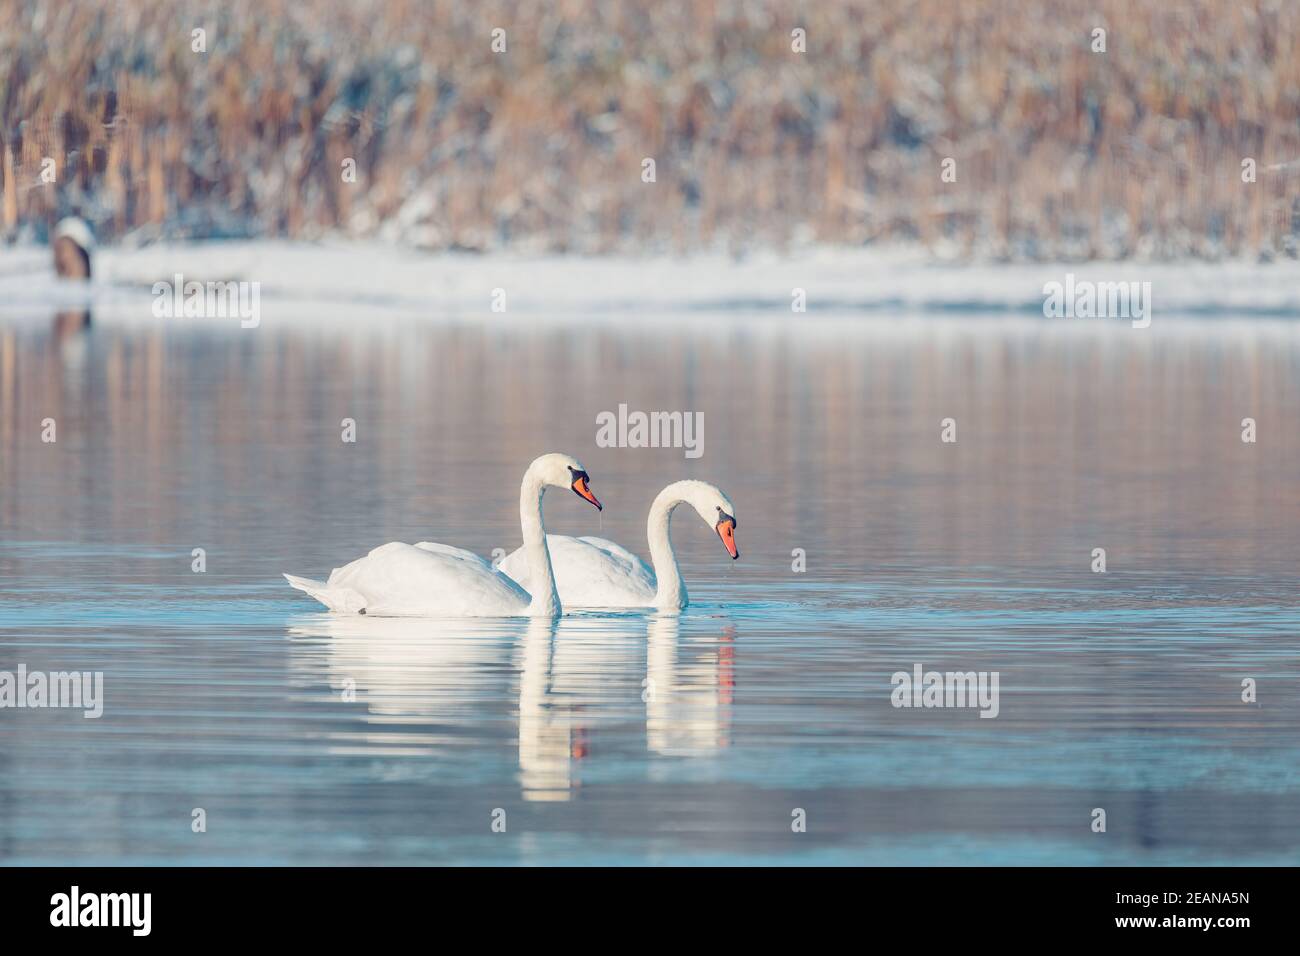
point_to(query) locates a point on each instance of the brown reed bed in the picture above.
(1059, 151)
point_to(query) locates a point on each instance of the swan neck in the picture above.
(545, 598)
(670, 593)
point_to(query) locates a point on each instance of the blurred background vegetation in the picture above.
(1059, 151)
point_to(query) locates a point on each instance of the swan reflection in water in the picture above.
(427, 685)
(687, 702)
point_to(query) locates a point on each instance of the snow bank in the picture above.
(307, 282)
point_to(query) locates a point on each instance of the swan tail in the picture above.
(342, 600)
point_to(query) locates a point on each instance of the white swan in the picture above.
(430, 579)
(594, 572)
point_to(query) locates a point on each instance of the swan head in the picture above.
(726, 526)
(565, 471)
(713, 506)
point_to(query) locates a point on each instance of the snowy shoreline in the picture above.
(308, 280)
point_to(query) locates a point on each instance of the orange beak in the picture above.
(727, 532)
(580, 488)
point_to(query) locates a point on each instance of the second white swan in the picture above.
(597, 573)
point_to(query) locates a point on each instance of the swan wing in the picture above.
(590, 572)
(398, 579)
(619, 553)
(459, 554)
(515, 566)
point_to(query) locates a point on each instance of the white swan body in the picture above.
(431, 579)
(597, 573)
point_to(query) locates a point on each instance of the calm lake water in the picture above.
(630, 738)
